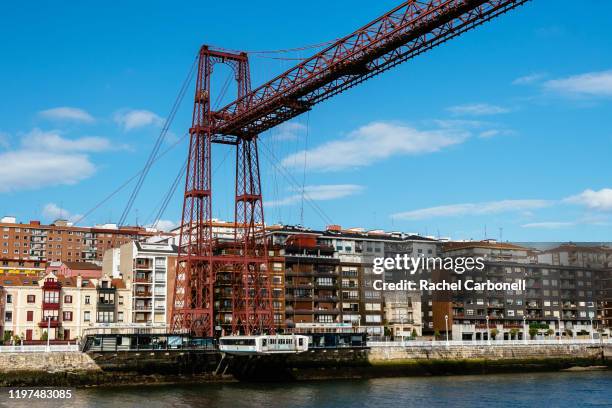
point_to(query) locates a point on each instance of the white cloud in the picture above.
(137, 118)
(46, 159)
(489, 133)
(477, 109)
(67, 113)
(595, 200)
(470, 209)
(590, 84)
(287, 131)
(165, 225)
(53, 141)
(318, 193)
(53, 212)
(374, 142)
(549, 224)
(529, 79)
(24, 169)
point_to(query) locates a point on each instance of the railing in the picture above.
(39, 348)
(480, 343)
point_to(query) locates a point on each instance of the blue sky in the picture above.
(503, 127)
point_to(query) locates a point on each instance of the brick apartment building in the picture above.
(31, 245)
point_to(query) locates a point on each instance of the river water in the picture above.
(547, 390)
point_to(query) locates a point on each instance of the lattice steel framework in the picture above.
(408, 30)
(200, 255)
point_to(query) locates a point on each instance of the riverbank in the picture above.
(169, 367)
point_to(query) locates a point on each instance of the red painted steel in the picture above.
(408, 30)
(200, 256)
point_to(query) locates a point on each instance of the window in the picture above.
(373, 319)
(87, 301)
(51, 297)
(105, 317)
(120, 317)
(326, 319)
(30, 316)
(87, 316)
(325, 281)
(120, 300)
(372, 306)
(68, 316)
(68, 299)
(31, 298)
(9, 298)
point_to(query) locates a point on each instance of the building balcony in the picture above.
(146, 308)
(298, 285)
(50, 305)
(53, 324)
(143, 294)
(300, 297)
(143, 280)
(326, 311)
(299, 311)
(326, 298)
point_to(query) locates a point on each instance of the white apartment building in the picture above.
(147, 268)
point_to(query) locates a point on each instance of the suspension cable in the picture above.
(126, 182)
(158, 142)
(268, 154)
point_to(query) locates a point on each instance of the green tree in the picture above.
(44, 336)
(494, 333)
(569, 332)
(532, 332)
(436, 334)
(7, 336)
(514, 333)
(414, 333)
(550, 332)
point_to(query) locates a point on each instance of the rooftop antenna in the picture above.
(501, 234)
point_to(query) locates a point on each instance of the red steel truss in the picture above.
(200, 256)
(408, 30)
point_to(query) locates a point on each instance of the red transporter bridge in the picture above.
(406, 31)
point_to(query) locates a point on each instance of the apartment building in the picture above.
(11, 266)
(329, 277)
(60, 306)
(403, 313)
(589, 256)
(61, 241)
(562, 300)
(607, 296)
(148, 269)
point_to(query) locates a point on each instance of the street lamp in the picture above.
(446, 325)
(524, 329)
(592, 337)
(488, 334)
(559, 321)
